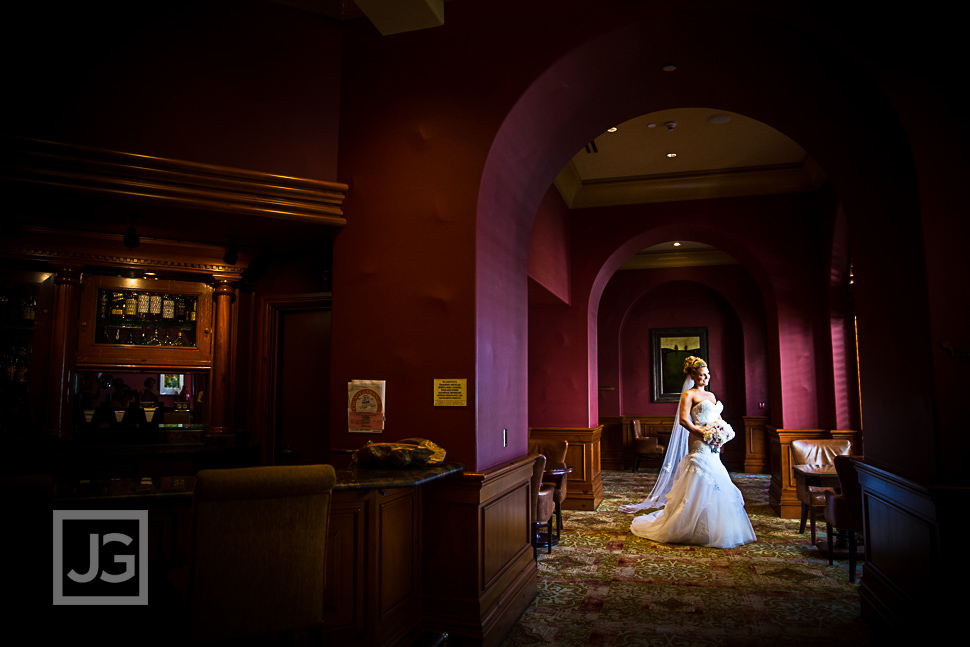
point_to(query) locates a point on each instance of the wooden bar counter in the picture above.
(372, 593)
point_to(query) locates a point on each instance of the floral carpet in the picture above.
(604, 586)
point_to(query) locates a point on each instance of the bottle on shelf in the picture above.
(131, 306)
(168, 308)
(154, 340)
(155, 307)
(180, 309)
(143, 305)
(23, 368)
(103, 306)
(131, 337)
(167, 340)
(178, 340)
(117, 306)
(10, 365)
(117, 335)
(193, 313)
(144, 336)
(29, 308)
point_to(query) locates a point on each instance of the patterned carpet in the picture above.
(604, 586)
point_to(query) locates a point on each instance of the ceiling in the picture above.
(717, 154)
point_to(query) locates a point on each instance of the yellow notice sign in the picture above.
(451, 393)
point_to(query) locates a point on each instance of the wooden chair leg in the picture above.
(801, 526)
(535, 541)
(558, 518)
(828, 536)
(852, 555)
(636, 462)
(812, 515)
(549, 535)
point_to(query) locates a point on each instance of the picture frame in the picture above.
(670, 347)
(170, 384)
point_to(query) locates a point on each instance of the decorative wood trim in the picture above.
(585, 484)
(85, 248)
(177, 183)
(479, 575)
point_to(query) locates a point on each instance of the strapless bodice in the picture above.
(705, 412)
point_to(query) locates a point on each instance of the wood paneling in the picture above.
(372, 587)
(757, 453)
(914, 536)
(613, 442)
(585, 485)
(617, 439)
(343, 599)
(479, 575)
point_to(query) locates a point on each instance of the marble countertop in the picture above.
(369, 479)
(182, 486)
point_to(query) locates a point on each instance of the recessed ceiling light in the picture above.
(671, 154)
(719, 119)
(651, 125)
(611, 130)
(670, 67)
(676, 244)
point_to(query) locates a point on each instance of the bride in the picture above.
(703, 506)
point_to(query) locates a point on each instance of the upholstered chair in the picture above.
(555, 453)
(543, 507)
(257, 567)
(644, 446)
(844, 511)
(815, 452)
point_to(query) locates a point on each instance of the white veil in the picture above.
(676, 450)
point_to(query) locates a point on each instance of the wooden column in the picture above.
(64, 331)
(585, 484)
(219, 413)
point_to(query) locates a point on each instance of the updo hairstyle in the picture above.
(693, 364)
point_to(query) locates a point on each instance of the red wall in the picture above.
(549, 247)
(250, 84)
(722, 298)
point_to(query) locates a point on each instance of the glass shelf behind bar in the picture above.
(145, 318)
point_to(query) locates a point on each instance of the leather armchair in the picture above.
(644, 446)
(815, 452)
(844, 511)
(555, 453)
(543, 507)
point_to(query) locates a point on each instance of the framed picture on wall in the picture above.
(169, 384)
(671, 346)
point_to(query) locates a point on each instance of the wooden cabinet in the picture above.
(130, 322)
(25, 304)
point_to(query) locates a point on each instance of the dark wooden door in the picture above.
(302, 389)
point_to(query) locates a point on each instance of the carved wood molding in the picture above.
(161, 181)
(81, 248)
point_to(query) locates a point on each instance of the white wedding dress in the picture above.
(704, 508)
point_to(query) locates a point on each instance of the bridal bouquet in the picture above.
(716, 434)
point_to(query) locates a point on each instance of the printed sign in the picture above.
(365, 406)
(451, 393)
